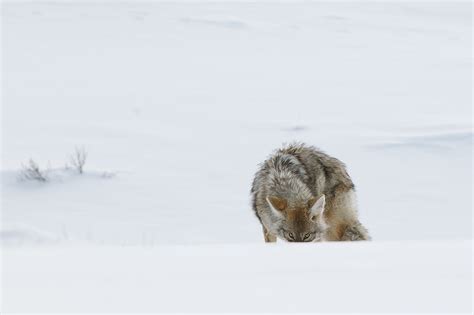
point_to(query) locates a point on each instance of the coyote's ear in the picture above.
(277, 204)
(316, 207)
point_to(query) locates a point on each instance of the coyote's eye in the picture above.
(291, 236)
(306, 236)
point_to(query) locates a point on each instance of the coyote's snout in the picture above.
(301, 194)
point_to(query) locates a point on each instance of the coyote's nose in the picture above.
(295, 241)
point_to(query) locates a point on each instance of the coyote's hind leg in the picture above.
(268, 237)
(355, 232)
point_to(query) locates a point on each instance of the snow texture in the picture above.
(177, 103)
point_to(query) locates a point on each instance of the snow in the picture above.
(177, 103)
(371, 277)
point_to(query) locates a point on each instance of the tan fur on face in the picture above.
(298, 218)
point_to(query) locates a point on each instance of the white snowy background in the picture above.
(177, 103)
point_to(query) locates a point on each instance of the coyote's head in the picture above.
(299, 222)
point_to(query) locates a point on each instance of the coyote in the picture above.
(301, 194)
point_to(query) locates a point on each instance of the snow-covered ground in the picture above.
(177, 103)
(372, 277)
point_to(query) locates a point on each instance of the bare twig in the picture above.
(78, 159)
(32, 171)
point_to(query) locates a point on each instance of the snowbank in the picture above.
(431, 277)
